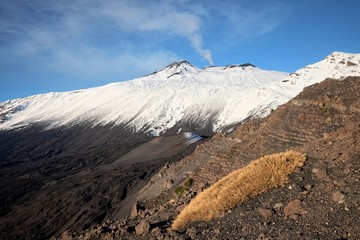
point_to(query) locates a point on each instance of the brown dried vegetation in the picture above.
(257, 177)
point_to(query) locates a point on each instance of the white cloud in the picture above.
(96, 38)
(246, 20)
(164, 16)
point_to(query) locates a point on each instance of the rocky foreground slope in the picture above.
(321, 200)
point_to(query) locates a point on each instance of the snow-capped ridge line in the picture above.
(173, 66)
(337, 65)
(178, 64)
(179, 93)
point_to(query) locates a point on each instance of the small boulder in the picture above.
(294, 208)
(136, 208)
(142, 228)
(338, 197)
(279, 205)
(156, 231)
(266, 213)
(191, 232)
(168, 183)
(321, 174)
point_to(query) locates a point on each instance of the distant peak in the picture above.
(348, 59)
(337, 54)
(178, 64)
(177, 68)
(239, 65)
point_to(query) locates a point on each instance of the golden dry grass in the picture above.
(257, 177)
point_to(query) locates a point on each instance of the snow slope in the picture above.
(337, 65)
(180, 93)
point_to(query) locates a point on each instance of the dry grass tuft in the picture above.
(257, 177)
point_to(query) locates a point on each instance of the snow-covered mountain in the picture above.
(337, 65)
(179, 95)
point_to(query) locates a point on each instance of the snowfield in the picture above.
(220, 96)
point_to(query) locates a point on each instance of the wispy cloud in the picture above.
(95, 38)
(239, 21)
(158, 16)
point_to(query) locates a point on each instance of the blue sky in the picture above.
(72, 44)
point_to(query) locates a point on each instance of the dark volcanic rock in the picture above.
(75, 177)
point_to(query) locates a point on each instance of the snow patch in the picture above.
(191, 137)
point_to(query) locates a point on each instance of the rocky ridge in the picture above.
(321, 199)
